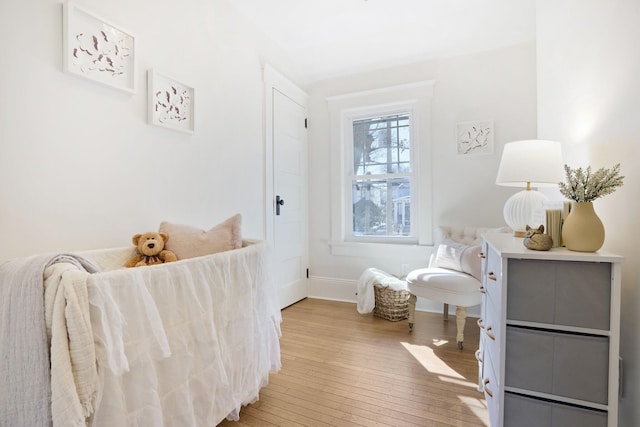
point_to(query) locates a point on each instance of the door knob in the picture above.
(279, 202)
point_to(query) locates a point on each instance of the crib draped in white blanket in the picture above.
(184, 343)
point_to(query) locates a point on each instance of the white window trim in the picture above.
(417, 94)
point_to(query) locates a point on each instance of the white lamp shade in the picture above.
(537, 162)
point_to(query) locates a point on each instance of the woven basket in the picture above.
(391, 305)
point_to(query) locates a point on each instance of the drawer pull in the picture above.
(482, 290)
(481, 255)
(490, 334)
(480, 325)
(486, 389)
(478, 356)
(491, 276)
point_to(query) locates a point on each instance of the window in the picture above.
(381, 181)
(380, 175)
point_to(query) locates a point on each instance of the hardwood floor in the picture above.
(340, 368)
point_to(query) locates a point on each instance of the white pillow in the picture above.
(458, 256)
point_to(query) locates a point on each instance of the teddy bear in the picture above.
(150, 250)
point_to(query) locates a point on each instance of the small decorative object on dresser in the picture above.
(583, 231)
(535, 239)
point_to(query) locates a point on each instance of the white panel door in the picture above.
(290, 236)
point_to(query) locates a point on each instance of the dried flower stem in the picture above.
(583, 186)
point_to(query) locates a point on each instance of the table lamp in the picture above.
(528, 164)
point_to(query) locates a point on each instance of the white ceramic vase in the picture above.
(582, 230)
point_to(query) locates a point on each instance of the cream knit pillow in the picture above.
(189, 242)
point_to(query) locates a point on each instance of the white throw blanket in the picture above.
(74, 376)
(25, 394)
(366, 293)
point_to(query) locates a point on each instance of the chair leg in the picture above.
(445, 312)
(461, 318)
(412, 310)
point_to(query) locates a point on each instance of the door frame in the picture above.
(274, 80)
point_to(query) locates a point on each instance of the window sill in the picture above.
(380, 250)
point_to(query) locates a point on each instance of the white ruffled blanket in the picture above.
(185, 343)
(182, 344)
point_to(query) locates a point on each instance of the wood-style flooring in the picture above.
(341, 368)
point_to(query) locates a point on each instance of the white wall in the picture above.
(589, 98)
(80, 166)
(499, 85)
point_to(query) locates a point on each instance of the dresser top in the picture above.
(512, 247)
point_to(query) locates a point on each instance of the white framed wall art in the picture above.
(96, 49)
(171, 103)
(473, 138)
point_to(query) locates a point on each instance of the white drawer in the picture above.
(492, 277)
(491, 330)
(483, 257)
(491, 389)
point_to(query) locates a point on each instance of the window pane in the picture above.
(381, 145)
(381, 207)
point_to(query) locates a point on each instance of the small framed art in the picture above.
(475, 138)
(96, 49)
(171, 103)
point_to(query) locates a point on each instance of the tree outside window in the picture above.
(381, 183)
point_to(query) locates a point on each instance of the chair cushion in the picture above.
(444, 285)
(458, 256)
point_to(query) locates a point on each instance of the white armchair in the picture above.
(453, 275)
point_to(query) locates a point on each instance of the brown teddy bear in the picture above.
(150, 250)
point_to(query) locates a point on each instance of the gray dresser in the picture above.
(549, 342)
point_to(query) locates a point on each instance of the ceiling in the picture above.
(326, 38)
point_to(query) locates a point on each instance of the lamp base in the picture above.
(519, 208)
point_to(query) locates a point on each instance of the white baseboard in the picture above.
(335, 289)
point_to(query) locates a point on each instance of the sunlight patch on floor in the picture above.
(478, 406)
(430, 361)
(457, 381)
